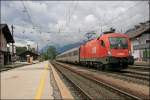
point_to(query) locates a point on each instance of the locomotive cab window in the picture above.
(118, 42)
(102, 43)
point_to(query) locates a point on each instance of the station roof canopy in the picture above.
(28, 53)
(7, 34)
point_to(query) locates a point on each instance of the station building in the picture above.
(5, 40)
(26, 56)
(140, 41)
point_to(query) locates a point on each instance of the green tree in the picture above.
(19, 50)
(50, 53)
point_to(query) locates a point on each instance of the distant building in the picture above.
(140, 41)
(5, 39)
(25, 55)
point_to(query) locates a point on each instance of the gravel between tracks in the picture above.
(75, 93)
(120, 75)
(92, 88)
(139, 68)
(136, 89)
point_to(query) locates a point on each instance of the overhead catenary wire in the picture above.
(25, 9)
(69, 15)
(31, 20)
(117, 16)
(114, 18)
(29, 15)
(73, 11)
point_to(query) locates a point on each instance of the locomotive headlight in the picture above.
(109, 53)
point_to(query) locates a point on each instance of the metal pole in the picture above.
(37, 49)
(13, 37)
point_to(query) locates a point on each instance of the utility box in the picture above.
(28, 58)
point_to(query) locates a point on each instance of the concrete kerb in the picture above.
(65, 93)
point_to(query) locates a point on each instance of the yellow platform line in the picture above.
(42, 83)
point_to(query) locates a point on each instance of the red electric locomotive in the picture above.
(111, 50)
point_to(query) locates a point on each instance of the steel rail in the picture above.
(135, 72)
(143, 69)
(77, 86)
(104, 84)
(142, 65)
(138, 77)
(125, 75)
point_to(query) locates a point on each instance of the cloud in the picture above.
(90, 18)
(75, 17)
(65, 22)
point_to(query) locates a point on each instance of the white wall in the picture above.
(142, 40)
(135, 53)
(10, 49)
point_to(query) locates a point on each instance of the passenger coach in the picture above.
(70, 56)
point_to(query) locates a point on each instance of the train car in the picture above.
(70, 56)
(107, 50)
(111, 50)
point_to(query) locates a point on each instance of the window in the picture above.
(118, 42)
(75, 52)
(69, 54)
(102, 43)
(147, 41)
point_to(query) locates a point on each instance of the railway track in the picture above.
(91, 87)
(139, 68)
(135, 74)
(82, 93)
(141, 75)
(127, 75)
(142, 64)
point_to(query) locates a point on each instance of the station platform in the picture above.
(38, 81)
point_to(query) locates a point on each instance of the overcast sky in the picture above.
(64, 22)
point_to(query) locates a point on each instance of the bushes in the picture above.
(146, 53)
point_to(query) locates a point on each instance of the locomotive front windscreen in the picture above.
(118, 42)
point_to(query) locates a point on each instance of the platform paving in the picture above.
(28, 82)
